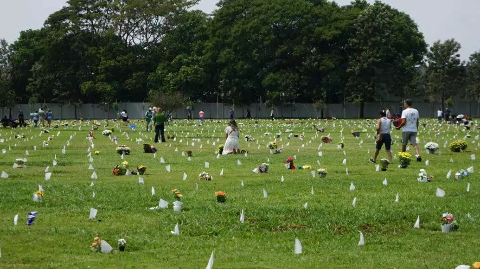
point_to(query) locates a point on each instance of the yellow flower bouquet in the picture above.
(405, 158)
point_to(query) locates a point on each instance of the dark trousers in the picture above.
(21, 122)
(160, 129)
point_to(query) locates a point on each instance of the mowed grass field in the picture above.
(328, 228)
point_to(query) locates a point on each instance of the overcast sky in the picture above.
(437, 19)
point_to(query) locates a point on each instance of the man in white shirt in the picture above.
(410, 127)
(439, 115)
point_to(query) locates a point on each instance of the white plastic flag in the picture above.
(54, 163)
(312, 192)
(427, 162)
(90, 167)
(385, 183)
(40, 188)
(298, 247)
(242, 217)
(472, 157)
(320, 154)
(26, 153)
(4, 174)
(440, 192)
(362, 240)
(352, 187)
(239, 162)
(207, 165)
(396, 198)
(176, 230)
(256, 170)
(93, 195)
(162, 204)
(93, 213)
(344, 162)
(94, 175)
(167, 168)
(305, 205)
(417, 223)
(377, 168)
(468, 187)
(346, 171)
(162, 160)
(105, 247)
(264, 193)
(354, 202)
(241, 183)
(449, 174)
(313, 174)
(48, 176)
(282, 179)
(184, 176)
(210, 262)
(140, 180)
(153, 191)
(91, 184)
(221, 172)
(470, 169)
(15, 220)
(91, 159)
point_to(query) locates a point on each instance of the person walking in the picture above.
(439, 115)
(409, 124)
(189, 113)
(124, 116)
(384, 137)
(387, 113)
(448, 112)
(249, 114)
(232, 114)
(21, 119)
(34, 115)
(41, 116)
(159, 121)
(272, 114)
(201, 114)
(49, 117)
(148, 118)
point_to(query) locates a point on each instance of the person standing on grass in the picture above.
(41, 116)
(439, 115)
(159, 121)
(272, 114)
(447, 115)
(21, 119)
(383, 130)
(49, 117)
(148, 118)
(201, 114)
(249, 114)
(410, 128)
(232, 114)
(387, 112)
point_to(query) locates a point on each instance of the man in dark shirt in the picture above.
(21, 119)
(159, 121)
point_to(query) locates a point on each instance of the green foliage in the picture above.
(473, 69)
(167, 101)
(458, 145)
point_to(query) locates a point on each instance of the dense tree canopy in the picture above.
(283, 51)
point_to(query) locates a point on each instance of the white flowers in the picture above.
(122, 242)
(431, 147)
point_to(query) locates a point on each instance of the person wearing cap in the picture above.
(148, 118)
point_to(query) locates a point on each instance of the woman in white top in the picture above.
(232, 134)
(383, 129)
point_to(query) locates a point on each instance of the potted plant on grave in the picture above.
(448, 224)
(405, 158)
(384, 164)
(322, 172)
(189, 153)
(431, 147)
(221, 196)
(121, 244)
(289, 163)
(458, 145)
(141, 169)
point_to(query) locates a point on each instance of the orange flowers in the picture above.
(177, 195)
(220, 194)
(96, 244)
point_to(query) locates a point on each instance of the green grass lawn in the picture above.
(328, 228)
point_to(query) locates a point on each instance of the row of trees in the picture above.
(103, 51)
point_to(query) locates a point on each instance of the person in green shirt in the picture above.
(148, 118)
(159, 121)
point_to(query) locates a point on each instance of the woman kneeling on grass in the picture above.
(383, 137)
(232, 145)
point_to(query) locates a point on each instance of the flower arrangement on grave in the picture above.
(289, 163)
(221, 196)
(356, 133)
(94, 127)
(45, 131)
(384, 164)
(141, 169)
(123, 150)
(170, 136)
(272, 145)
(96, 245)
(404, 158)
(322, 172)
(107, 132)
(189, 153)
(147, 148)
(20, 136)
(458, 145)
(263, 168)
(341, 144)
(326, 139)
(307, 167)
(97, 152)
(177, 195)
(120, 170)
(50, 138)
(461, 174)
(448, 222)
(205, 176)
(476, 265)
(431, 147)
(20, 163)
(249, 138)
(220, 149)
(38, 196)
(423, 176)
(121, 244)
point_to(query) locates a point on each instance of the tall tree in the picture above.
(384, 51)
(473, 71)
(444, 71)
(7, 93)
